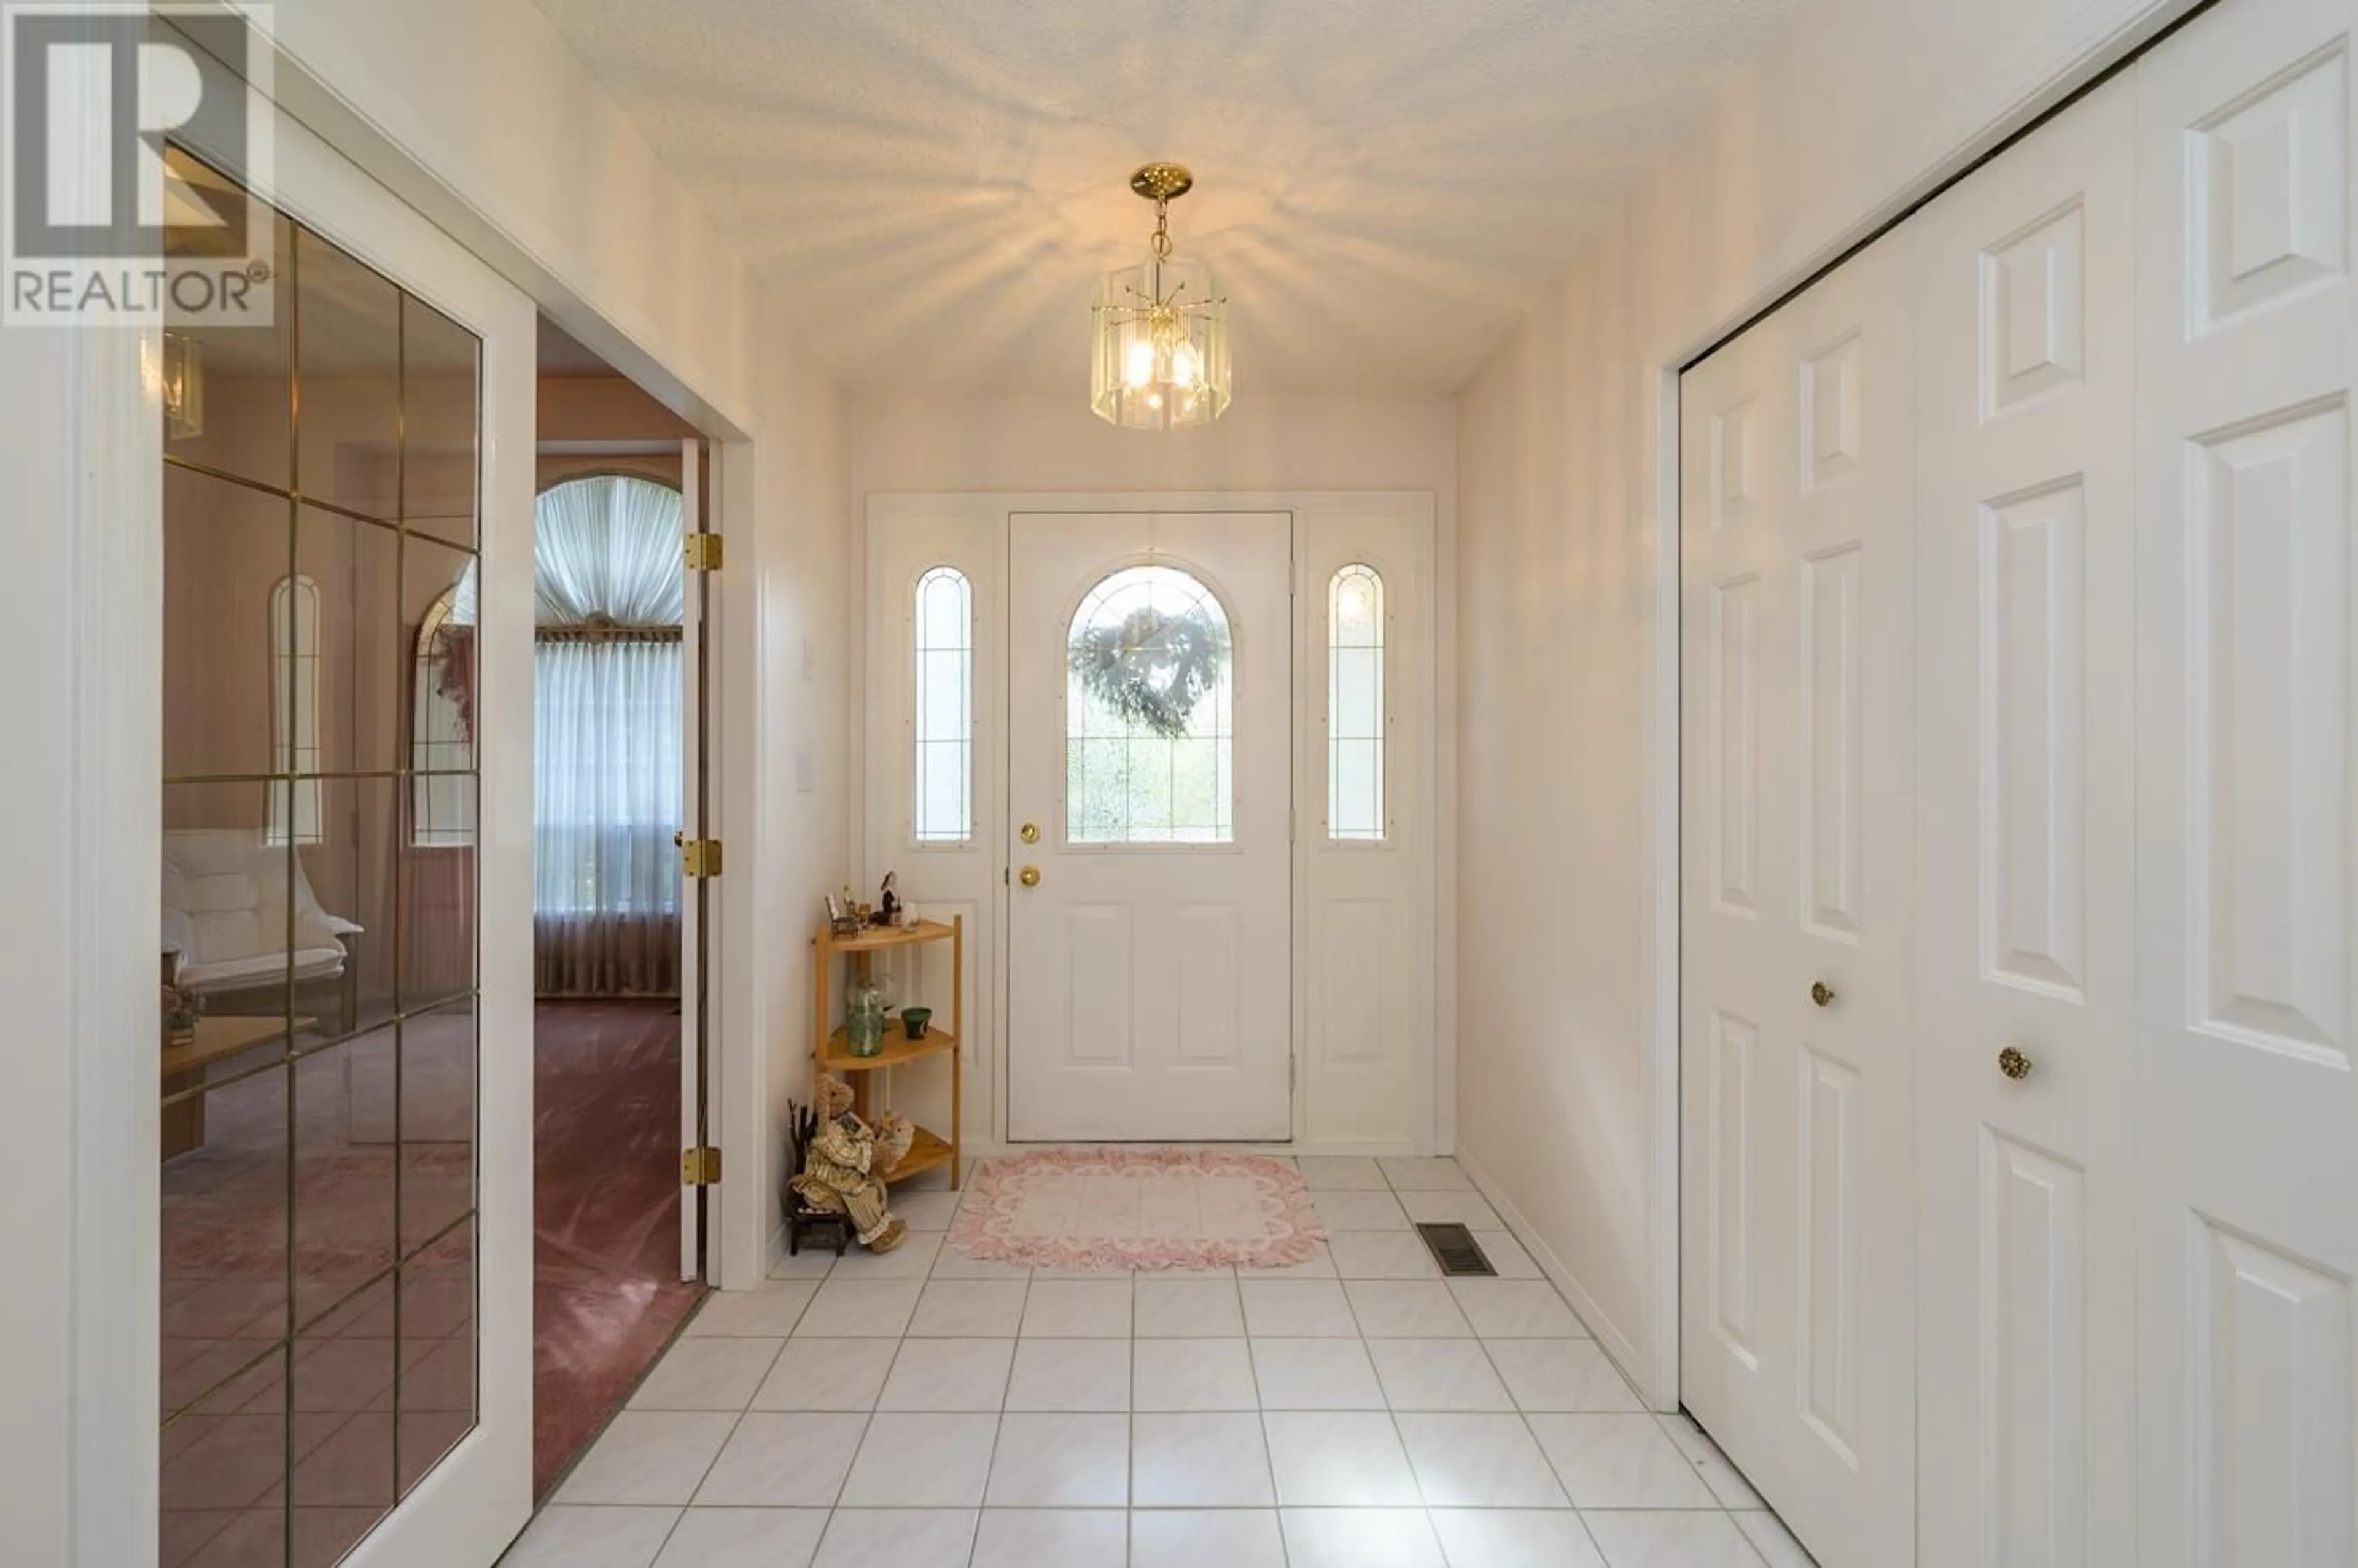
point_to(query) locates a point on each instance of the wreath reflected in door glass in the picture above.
(1150, 709)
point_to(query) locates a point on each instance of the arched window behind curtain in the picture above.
(606, 795)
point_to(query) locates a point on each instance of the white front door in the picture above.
(2025, 900)
(1150, 792)
(1798, 1331)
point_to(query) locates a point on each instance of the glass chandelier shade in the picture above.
(1159, 340)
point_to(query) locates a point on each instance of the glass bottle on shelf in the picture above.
(863, 1016)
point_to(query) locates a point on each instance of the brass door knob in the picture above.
(2014, 1064)
(1821, 993)
(1031, 833)
(1028, 876)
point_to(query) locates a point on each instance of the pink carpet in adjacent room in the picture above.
(607, 1294)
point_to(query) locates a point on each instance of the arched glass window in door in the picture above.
(1150, 713)
(1354, 704)
(943, 800)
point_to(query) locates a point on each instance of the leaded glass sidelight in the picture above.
(941, 802)
(1356, 713)
(1150, 713)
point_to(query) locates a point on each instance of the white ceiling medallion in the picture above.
(1159, 338)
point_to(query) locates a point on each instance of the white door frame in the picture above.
(2087, 57)
(1334, 1110)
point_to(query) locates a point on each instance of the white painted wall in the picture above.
(804, 582)
(1263, 443)
(533, 166)
(1568, 804)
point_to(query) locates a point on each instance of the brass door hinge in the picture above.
(700, 856)
(703, 552)
(699, 1167)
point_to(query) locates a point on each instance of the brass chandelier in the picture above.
(1159, 338)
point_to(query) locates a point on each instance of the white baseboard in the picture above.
(1610, 1336)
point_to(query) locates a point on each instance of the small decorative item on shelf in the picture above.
(915, 1020)
(183, 1011)
(888, 904)
(842, 914)
(863, 1017)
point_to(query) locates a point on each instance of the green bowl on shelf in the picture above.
(915, 1020)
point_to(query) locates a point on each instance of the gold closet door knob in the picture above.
(1028, 876)
(1821, 993)
(2014, 1064)
(1031, 833)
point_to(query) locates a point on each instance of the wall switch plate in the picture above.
(805, 771)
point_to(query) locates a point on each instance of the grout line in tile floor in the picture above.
(1668, 1504)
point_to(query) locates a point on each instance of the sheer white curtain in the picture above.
(606, 797)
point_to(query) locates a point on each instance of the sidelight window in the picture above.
(1355, 712)
(943, 621)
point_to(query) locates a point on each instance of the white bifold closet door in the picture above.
(2109, 972)
(2247, 894)
(1799, 1320)
(2026, 525)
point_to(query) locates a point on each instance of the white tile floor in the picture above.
(1355, 1412)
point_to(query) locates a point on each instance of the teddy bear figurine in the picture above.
(844, 1172)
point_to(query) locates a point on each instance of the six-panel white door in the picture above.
(1798, 1328)
(2247, 867)
(2026, 607)
(1150, 974)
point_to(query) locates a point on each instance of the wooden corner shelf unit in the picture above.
(832, 1052)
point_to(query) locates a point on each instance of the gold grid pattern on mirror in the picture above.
(318, 1034)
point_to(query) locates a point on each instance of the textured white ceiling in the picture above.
(933, 187)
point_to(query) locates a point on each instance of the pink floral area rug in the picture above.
(1148, 1208)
